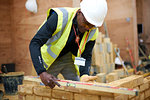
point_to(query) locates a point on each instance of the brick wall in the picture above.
(30, 91)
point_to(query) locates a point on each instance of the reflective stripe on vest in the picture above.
(57, 36)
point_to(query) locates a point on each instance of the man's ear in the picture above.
(79, 11)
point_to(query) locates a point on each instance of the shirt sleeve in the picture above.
(87, 54)
(40, 38)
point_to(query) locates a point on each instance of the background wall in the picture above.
(146, 23)
(6, 53)
(122, 23)
(25, 25)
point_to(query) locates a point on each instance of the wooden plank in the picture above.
(91, 86)
(6, 55)
(5, 12)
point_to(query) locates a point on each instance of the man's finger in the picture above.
(92, 78)
(56, 83)
(51, 84)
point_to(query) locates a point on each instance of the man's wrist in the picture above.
(42, 73)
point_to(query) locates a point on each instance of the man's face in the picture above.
(83, 24)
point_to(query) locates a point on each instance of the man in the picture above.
(64, 43)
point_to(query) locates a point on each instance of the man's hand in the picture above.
(49, 80)
(86, 78)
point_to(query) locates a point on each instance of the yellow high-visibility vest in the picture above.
(52, 48)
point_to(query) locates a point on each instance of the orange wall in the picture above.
(6, 54)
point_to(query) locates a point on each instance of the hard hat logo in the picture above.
(94, 11)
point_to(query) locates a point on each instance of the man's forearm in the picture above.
(36, 57)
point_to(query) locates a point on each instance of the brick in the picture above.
(147, 98)
(62, 94)
(111, 77)
(137, 97)
(101, 78)
(131, 96)
(25, 89)
(11, 97)
(85, 97)
(140, 79)
(30, 97)
(38, 98)
(141, 96)
(144, 86)
(121, 97)
(147, 93)
(21, 97)
(46, 98)
(42, 91)
(106, 98)
(128, 82)
(31, 82)
(120, 72)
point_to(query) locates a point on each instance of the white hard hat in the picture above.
(94, 11)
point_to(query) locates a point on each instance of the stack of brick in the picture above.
(38, 92)
(103, 55)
